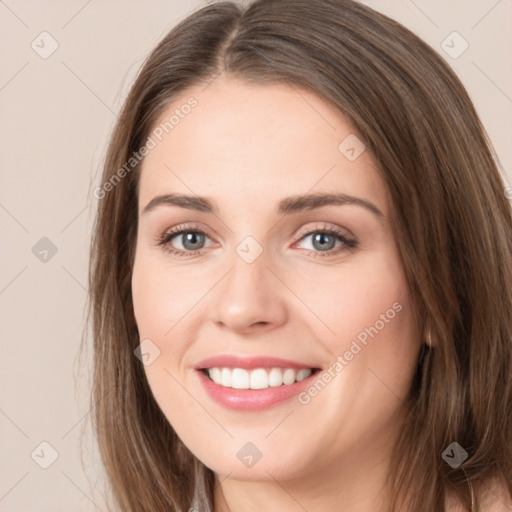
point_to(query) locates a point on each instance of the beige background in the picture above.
(56, 115)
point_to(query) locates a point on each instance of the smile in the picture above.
(253, 383)
(259, 378)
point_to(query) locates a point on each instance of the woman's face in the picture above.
(264, 270)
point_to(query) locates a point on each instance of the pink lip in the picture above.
(249, 363)
(251, 399)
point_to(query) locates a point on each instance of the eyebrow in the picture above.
(286, 206)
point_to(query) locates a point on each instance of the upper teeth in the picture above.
(260, 378)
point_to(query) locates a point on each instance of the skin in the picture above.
(246, 147)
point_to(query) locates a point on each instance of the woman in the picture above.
(301, 273)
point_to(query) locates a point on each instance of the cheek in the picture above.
(357, 301)
(160, 297)
(150, 302)
(161, 300)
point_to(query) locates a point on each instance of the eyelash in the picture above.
(165, 239)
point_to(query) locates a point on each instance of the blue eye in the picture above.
(324, 242)
(193, 240)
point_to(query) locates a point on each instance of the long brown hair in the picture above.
(451, 218)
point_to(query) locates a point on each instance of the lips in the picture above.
(251, 362)
(253, 382)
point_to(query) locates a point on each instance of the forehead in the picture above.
(254, 142)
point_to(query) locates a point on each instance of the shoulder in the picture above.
(494, 497)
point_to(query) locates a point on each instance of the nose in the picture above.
(250, 298)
